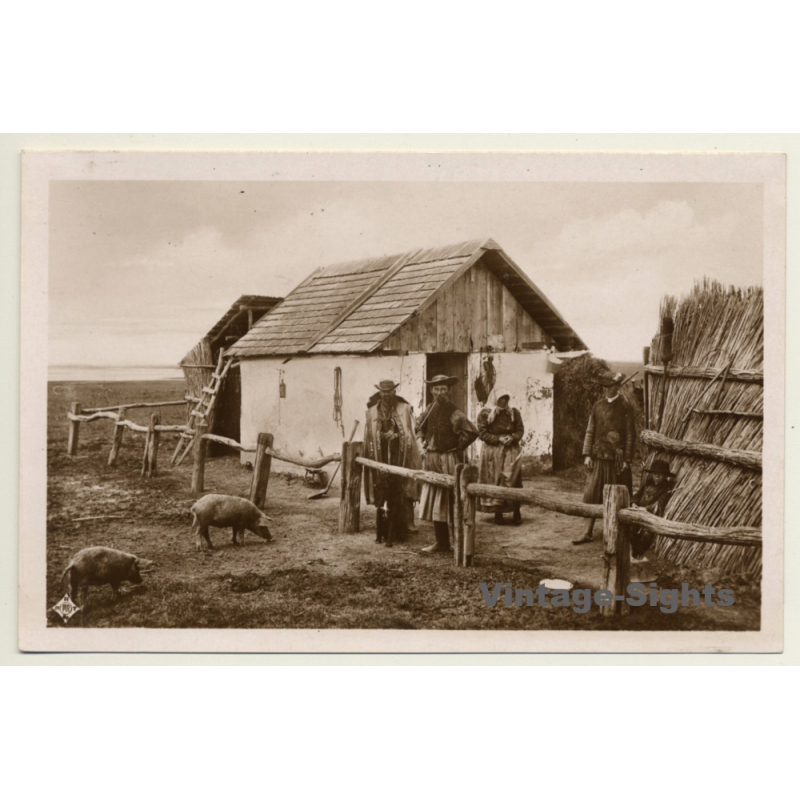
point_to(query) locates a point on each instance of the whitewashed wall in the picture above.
(302, 422)
(526, 377)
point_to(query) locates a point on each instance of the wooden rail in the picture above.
(749, 459)
(743, 375)
(308, 463)
(550, 500)
(746, 537)
(140, 405)
(433, 478)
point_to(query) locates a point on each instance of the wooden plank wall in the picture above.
(476, 312)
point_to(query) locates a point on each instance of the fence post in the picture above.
(74, 430)
(616, 549)
(146, 455)
(458, 518)
(198, 471)
(117, 442)
(350, 502)
(153, 437)
(261, 470)
(469, 506)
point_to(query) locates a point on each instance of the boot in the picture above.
(383, 526)
(517, 519)
(409, 510)
(587, 536)
(498, 517)
(442, 533)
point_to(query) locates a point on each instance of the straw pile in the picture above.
(721, 328)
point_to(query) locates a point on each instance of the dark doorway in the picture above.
(453, 365)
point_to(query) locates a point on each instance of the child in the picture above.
(653, 496)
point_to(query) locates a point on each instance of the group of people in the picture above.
(438, 441)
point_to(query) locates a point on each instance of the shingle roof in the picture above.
(259, 303)
(353, 307)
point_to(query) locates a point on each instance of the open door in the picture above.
(453, 365)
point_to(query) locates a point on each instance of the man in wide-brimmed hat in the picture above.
(446, 433)
(608, 444)
(500, 428)
(389, 437)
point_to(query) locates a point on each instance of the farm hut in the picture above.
(199, 363)
(704, 400)
(309, 366)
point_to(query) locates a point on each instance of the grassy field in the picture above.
(309, 576)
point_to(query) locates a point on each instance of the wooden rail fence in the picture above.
(264, 451)
(618, 518)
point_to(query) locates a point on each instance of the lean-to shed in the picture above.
(198, 364)
(309, 366)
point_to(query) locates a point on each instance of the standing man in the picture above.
(608, 445)
(446, 433)
(389, 437)
(501, 429)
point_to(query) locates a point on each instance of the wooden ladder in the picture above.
(202, 410)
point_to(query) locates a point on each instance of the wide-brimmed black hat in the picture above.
(442, 380)
(659, 467)
(610, 378)
(386, 386)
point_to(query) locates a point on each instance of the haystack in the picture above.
(714, 396)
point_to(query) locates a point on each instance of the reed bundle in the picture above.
(721, 328)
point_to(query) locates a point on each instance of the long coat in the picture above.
(404, 454)
(610, 439)
(501, 465)
(611, 432)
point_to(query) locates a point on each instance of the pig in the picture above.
(96, 566)
(221, 511)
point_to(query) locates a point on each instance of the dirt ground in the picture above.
(309, 576)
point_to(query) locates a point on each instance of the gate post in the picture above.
(117, 443)
(616, 549)
(74, 430)
(469, 505)
(350, 502)
(261, 470)
(199, 469)
(458, 518)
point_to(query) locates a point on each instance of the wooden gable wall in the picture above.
(476, 312)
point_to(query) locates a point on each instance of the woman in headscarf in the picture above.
(500, 428)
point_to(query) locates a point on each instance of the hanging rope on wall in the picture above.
(337, 398)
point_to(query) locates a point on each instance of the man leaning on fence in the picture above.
(389, 437)
(446, 433)
(608, 445)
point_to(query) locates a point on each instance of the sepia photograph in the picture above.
(402, 402)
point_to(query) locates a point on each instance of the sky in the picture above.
(139, 271)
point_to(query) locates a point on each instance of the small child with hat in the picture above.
(653, 496)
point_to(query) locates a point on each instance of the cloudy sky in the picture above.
(140, 270)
